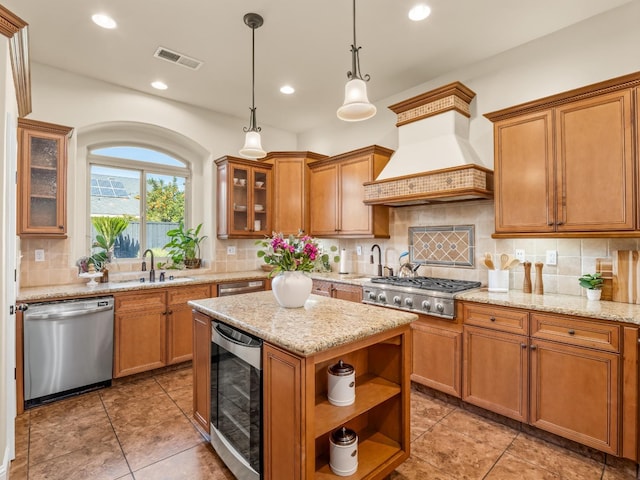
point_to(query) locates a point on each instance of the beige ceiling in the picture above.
(302, 43)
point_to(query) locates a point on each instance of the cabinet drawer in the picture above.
(140, 301)
(320, 287)
(182, 295)
(573, 331)
(498, 318)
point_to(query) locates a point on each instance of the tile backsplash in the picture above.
(575, 255)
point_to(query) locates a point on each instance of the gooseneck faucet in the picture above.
(152, 272)
(375, 245)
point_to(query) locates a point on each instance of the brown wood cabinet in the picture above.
(437, 354)
(343, 291)
(201, 370)
(42, 179)
(291, 190)
(559, 373)
(244, 198)
(555, 155)
(337, 193)
(154, 328)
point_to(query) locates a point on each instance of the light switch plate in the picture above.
(39, 255)
(552, 257)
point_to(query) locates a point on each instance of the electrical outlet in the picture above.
(552, 257)
(231, 250)
(40, 255)
(359, 250)
(520, 254)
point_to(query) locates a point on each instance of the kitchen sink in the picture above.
(137, 282)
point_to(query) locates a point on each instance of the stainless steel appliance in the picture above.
(429, 295)
(236, 288)
(236, 400)
(68, 348)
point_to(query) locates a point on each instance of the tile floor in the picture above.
(142, 430)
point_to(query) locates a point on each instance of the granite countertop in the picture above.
(182, 277)
(555, 303)
(322, 323)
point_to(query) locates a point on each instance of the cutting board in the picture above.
(604, 266)
(626, 274)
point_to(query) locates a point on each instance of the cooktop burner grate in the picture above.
(445, 285)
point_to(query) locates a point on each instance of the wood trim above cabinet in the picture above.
(16, 30)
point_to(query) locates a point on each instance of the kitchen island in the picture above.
(299, 346)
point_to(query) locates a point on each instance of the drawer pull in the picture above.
(571, 332)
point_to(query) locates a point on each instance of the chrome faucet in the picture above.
(375, 245)
(152, 272)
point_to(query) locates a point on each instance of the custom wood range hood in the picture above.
(435, 161)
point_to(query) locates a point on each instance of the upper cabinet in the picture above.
(244, 198)
(337, 194)
(564, 165)
(291, 190)
(42, 176)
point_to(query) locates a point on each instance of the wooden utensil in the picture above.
(488, 261)
(514, 262)
(505, 258)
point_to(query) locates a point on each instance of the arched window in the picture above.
(147, 187)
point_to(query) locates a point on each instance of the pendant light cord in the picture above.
(355, 54)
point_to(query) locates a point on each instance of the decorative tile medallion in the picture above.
(444, 245)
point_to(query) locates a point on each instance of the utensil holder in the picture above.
(499, 280)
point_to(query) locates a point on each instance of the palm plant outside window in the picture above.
(147, 187)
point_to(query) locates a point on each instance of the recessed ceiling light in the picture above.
(104, 21)
(419, 12)
(287, 89)
(159, 85)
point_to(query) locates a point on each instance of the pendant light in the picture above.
(356, 104)
(252, 143)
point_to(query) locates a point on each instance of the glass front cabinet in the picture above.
(244, 198)
(42, 175)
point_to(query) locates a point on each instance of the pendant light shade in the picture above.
(253, 143)
(356, 106)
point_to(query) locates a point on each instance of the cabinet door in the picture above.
(140, 333)
(524, 192)
(42, 172)
(354, 216)
(241, 201)
(201, 369)
(180, 323)
(283, 406)
(290, 196)
(494, 370)
(324, 201)
(261, 208)
(574, 393)
(437, 353)
(595, 186)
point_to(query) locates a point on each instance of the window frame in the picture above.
(144, 168)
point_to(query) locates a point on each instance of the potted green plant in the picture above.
(184, 246)
(108, 229)
(593, 283)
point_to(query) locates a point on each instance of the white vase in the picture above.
(593, 293)
(291, 289)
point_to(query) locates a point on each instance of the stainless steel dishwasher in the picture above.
(236, 288)
(68, 348)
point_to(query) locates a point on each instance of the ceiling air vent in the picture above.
(178, 58)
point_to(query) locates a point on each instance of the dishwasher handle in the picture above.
(69, 314)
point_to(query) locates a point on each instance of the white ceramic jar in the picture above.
(343, 452)
(341, 384)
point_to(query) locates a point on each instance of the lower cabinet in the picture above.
(343, 291)
(437, 354)
(566, 375)
(153, 328)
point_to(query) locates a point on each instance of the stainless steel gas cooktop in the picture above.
(429, 295)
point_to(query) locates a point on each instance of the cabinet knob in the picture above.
(560, 223)
(61, 227)
(523, 345)
(493, 319)
(533, 347)
(571, 332)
